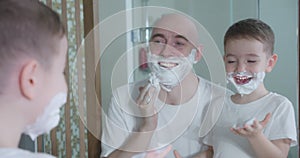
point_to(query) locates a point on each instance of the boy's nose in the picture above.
(240, 67)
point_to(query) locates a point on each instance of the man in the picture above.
(167, 109)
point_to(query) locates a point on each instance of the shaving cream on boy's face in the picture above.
(48, 119)
(245, 82)
(172, 70)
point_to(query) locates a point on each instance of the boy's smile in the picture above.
(242, 79)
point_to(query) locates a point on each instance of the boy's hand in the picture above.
(252, 130)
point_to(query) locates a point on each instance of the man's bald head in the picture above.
(179, 24)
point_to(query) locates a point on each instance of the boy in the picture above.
(33, 49)
(248, 56)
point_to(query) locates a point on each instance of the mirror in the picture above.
(216, 17)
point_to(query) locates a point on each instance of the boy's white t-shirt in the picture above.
(281, 125)
(20, 153)
(177, 125)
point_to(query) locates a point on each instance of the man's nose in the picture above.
(168, 51)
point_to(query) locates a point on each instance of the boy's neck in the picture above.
(10, 132)
(260, 92)
(12, 123)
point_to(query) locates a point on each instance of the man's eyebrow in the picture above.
(158, 35)
(180, 36)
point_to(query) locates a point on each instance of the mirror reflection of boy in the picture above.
(33, 49)
(254, 122)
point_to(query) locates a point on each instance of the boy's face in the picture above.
(53, 79)
(50, 92)
(244, 55)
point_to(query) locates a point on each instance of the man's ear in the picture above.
(28, 79)
(271, 62)
(198, 54)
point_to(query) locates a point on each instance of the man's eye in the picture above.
(157, 41)
(179, 44)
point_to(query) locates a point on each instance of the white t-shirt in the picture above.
(20, 153)
(281, 125)
(177, 125)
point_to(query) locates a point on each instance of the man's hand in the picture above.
(145, 102)
(176, 154)
(159, 154)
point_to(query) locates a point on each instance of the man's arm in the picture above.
(139, 141)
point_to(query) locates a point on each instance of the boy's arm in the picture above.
(263, 147)
(266, 148)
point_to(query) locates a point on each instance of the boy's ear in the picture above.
(28, 79)
(271, 62)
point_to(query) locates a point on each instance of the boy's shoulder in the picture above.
(20, 153)
(275, 97)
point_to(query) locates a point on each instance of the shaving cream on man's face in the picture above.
(245, 82)
(172, 70)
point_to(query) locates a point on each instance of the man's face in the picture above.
(166, 43)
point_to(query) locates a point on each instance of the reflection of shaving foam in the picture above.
(241, 125)
(154, 81)
(245, 82)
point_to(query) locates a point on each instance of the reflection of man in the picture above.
(169, 108)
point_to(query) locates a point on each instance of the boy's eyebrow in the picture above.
(228, 55)
(250, 54)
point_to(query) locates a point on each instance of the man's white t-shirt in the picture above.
(20, 153)
(177, 125)
(281, 125)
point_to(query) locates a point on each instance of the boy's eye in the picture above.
(230, 61)
(251, 61)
